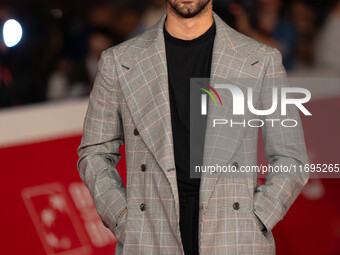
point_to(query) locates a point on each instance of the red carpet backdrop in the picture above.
(46, 209)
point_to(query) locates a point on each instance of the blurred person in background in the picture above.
(74, 77)
(303, 15)
(327, 52)
(230, 11)
(154, 12)
(104, 14)
(128, 17)
(113, 22)
(59, 44)
(267, 25)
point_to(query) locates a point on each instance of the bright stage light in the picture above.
(12, 32)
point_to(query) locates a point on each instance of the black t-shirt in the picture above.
(186, 59)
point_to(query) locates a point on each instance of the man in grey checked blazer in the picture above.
(129, 104)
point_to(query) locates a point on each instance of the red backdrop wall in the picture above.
(46, 209)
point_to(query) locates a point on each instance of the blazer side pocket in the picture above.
(260, 225)
(120, 225)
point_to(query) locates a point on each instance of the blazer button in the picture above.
(135, 132)
(236, 206)
(143, 167)
(142, 207)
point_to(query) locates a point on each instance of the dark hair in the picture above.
(101, 30)
(137, 5)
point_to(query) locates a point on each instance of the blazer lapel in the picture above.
(145, 88)
(230, 60)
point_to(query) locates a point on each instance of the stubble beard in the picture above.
(188, 10)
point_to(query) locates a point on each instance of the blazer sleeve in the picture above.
(99, 149)
(284, 147)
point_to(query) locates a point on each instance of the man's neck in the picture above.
(188, 28)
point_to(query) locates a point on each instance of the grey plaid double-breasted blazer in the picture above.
(129, 104)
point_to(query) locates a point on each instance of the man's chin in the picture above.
(188, 9)
(185, 13)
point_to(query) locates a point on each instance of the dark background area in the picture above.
(62, 40)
